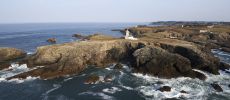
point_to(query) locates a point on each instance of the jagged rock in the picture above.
(199, 59)
(4, 65)
(217, 87)
(118, 66)
(224, 66)
(108, 78)
(172, 99)
(51, 40)
(165, 89)
(72, 58)
(169, 58)
(93, 79)
(7, 54)
(225, 49)
(158, 62)
(182, 91)
(78, 36)
(159, 82)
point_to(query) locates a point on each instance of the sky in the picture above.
(43, 11)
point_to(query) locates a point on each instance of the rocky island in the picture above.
(167, 51)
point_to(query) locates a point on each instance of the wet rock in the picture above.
(173, 99)
(51, 40)
(93, 79)
(195, 74)
(199, 75)
(225, 49)
(224, 66)
(108, 78)
(78, 36)
(165, 89)
(159, 82)
(182, 91)
(7, 54)
(4, 65)
(158, 62)
(118, 66)
(198, 56)
(217, 87)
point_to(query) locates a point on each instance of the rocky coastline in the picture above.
(162, 51)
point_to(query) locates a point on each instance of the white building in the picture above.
(203, 31)
(129, 36)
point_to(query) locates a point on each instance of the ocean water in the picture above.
(30, 36)
(124, 86)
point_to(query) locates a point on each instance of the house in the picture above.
(203, 31)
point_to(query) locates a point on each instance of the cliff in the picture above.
(155, 53)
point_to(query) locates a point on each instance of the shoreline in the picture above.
(189, 54)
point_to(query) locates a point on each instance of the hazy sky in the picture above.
(27, 11)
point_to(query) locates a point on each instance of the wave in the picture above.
(111, 90)
(195, 88)
(100, 94)
(16, 69)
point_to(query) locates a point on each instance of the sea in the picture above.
(125, 84)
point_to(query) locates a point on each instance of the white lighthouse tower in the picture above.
(129, 36)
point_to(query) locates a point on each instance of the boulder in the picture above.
(51, 40)
(225, 49)
(217, 87)
(182, 91)
(158, 62)
(165, 89)
(4, 65)
(197, 55)
(224, 66)
(118, 66)
(108, 78)
(78, 36)
(92, 79)
(7, 54)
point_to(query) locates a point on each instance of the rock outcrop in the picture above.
(165, 89)
(78, 36)
(51, 40)
(8, 54)
(217, 87)
(72, 58)
(165, 51)
(199, 59)
(93, 79)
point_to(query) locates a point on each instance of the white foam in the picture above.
(67, 79)
(29, 53)
(111, 90)
(196, 89)
(127, 87)
(55, 87)
(102, 95)
(16, 80)
(14, 69)
(22, 67)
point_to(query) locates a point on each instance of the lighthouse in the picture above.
(129, 36)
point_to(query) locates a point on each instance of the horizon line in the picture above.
(106, 22)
